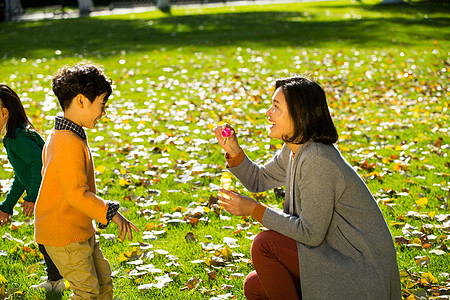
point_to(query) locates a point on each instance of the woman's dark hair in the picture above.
(86, 79)
(17, 116)
(309, 111)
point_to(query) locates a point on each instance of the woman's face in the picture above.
(279, 117)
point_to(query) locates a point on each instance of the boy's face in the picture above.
(94, 111)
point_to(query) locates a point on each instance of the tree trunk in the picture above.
(85, 6)
(163, 5)
(13, 8)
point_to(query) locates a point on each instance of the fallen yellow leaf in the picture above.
(422, 202)
(122, 257)
(395, 223)
(344, 148)
(429, 277)
(32, 269)
(3, 280)
(100, 169)
(123, 182)
(226, 252)
(150, 226)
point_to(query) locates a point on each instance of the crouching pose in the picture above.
(331, 240)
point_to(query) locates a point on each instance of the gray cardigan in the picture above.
(345, 248)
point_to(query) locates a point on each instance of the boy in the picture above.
(67, 201)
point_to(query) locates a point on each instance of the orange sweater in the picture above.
(67, 202)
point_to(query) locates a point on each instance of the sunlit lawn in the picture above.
(384, 69)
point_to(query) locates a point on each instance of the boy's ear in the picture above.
(80, 100)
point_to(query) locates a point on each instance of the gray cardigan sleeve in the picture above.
(318, 184)
(262, 178)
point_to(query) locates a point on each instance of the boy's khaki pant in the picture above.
(83, 265)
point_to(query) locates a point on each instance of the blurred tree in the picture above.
(13, 8)
(163, 5)
(85, 7)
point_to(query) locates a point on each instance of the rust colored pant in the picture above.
(276, 275)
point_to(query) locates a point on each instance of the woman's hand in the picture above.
(229, 144)
(238, 204)
(125, 226)
(28, 208)
(4, 218)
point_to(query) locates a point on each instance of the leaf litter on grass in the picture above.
(389, 106)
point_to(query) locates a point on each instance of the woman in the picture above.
(331, 240)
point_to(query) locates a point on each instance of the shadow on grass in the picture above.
(106, 37)
(53, 296)
(422, 7)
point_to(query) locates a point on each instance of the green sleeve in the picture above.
(12, 197)
(27, 149)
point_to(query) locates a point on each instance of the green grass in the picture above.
(385, 71)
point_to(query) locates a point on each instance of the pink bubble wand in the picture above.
(226, 132)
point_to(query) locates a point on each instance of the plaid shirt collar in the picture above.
(65, 124)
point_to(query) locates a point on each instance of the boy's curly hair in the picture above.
(86, 79)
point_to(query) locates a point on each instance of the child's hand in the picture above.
(28, 208)
(4, 218)
(124, 226)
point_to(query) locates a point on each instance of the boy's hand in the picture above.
(28, 208)
(124, 225)
(4, 218)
